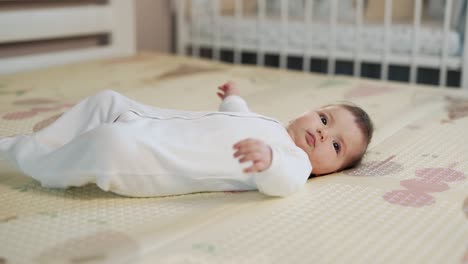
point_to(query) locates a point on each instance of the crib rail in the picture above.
(188, 19)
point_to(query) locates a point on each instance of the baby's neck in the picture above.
(290, 133)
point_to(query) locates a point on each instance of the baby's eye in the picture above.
(337, 147)
(324, 119)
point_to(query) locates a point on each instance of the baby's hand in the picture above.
(227, 89)
(256, 151)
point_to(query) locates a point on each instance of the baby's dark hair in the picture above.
(364, 124)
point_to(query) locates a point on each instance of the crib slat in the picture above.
(387, 39)
(180, 13)
(217, 29)
(260, 41)
(238, 16)
(443, 66)
(332, 45)
(464, 69)
(358, 37)
(284, 33)
(308, 11)
(415, 47)
(195, 36)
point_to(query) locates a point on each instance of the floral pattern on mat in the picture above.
(428, 180)
(45, 105)
(98, 247)
(332, 83)
(3, 90)
(44, 123)
(457, 108)
(139, 58)
(368, 89)
(186, 69)
(181, 71)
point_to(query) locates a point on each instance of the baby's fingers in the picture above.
(225, 86)
(222, 88)
(251, 156)
(257, 166)
(245, 149)
(246, 143)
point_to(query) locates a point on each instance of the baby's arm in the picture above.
(279, 171)
(232, 101)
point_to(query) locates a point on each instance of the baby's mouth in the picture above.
(310, 139)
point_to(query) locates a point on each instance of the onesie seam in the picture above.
(232, 114)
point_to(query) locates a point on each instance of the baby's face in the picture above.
(329, 136)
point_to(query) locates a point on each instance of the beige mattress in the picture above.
(406, 203)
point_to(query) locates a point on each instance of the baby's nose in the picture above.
(322, 133)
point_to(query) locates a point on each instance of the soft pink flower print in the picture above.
(410, 198)
(46, 122)
(35, 101)
(52, 105)
(422, 185)
(457, 108)
(429, 180)
(19, 115)
(441, 174)
(367, 89)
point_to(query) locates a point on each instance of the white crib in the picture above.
(319, 29)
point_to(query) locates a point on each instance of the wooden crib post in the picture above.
(332, 37)
(443, 63)
(215, 46)
(357, 52)
(195, 29)
(237, 44)
(464, 66)
(308, 11)
(283, 63)
(387, 40)
(415, 46)
(260, 41)
(180, 25)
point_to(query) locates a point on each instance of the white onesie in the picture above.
(137, 150)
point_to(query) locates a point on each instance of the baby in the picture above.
(138, 150)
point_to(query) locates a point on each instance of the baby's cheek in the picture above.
(322, 164)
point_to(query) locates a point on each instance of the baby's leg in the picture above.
(92, 157)
(101, 108)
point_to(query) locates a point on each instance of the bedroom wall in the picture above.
(153, 19)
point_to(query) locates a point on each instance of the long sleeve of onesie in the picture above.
(233, 103)
(288, 172)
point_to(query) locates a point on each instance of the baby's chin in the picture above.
(322, 171)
